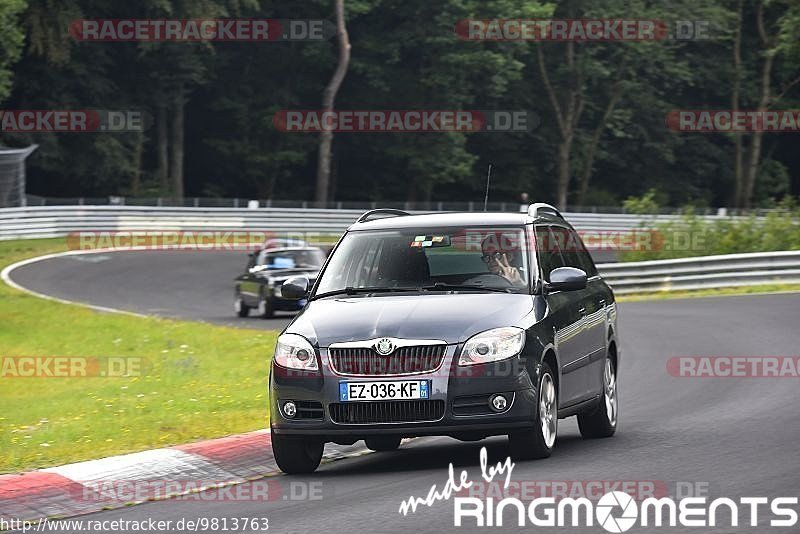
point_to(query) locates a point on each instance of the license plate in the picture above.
(394, 390)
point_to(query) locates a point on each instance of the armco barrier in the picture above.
(635, 277)
(704, 272)
(58, 221)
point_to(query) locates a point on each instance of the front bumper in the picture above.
(450, 384)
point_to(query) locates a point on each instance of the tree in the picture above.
(328, 99)
(11, 38)
(780, 37)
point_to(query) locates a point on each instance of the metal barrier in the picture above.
(704, 272)
(634, 277)
(58, 221)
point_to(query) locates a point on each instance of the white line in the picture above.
(5, 276)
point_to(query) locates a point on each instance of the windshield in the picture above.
(476, 257)
(291, 259)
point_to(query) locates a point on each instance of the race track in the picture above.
(737, 436)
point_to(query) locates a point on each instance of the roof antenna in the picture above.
(488, 178)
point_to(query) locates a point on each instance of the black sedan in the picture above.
(259, 287)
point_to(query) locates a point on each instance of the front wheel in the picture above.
(296, 455)
(538, 442)
(265, 308)
(380, 444)
(602, 423)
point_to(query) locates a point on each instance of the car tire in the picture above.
(381, 444)
(239, 307)
(539, 441)
(296, 456)
(602, 422)
(265, 308)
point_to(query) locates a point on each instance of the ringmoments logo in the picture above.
(615, 511)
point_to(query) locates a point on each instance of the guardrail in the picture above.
(58, 221)
(704, 272)
(633, 277)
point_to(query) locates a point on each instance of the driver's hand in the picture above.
(508, 271)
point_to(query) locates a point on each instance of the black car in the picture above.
(259, 288)
(459, 324)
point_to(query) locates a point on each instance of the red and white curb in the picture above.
(117, 481)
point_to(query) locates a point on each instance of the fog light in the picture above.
(289, 409)
(498, 403)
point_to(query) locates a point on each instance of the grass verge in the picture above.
(721, 292)
(196, 381)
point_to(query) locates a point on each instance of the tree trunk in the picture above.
(763, 105)
(163, 149)
(328, 98)
(177, 146)
(567, 118)
(755, 145)
(564, 150)
(136, 182)
(586, 177)
(737, 83)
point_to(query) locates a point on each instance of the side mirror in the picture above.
(566, 279)
(295, 288)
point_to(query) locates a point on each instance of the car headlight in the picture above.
(295, 352)
(492, 345)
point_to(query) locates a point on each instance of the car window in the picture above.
(572, 250)
(291, 259)
(549, 253)
(488, 257)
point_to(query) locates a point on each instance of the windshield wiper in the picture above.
(440, 286)
(357, 290)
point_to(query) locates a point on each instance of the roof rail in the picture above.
(382, 211)
(540, 207)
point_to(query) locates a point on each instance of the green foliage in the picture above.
(643, 205)
(405, 55)
(692, 235)
(11, 38)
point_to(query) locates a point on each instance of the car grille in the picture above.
(387, 411)
(364, 361)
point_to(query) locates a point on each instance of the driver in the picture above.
(499, 257)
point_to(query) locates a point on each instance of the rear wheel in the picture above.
(538, 442)
(380, 444)
(239, 307)
(602, 423)
(296, 455)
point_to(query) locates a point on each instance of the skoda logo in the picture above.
(384, 346)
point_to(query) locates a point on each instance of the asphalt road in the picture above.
(730, 437)
(186, 284)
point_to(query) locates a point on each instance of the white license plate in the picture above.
(394, 390)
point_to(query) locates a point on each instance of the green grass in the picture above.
(721, 292)
(200, 381)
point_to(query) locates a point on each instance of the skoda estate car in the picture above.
(466, 325)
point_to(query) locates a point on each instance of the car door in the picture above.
(566, 318)
(598, 308)
(249, 286)
(592, 305)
